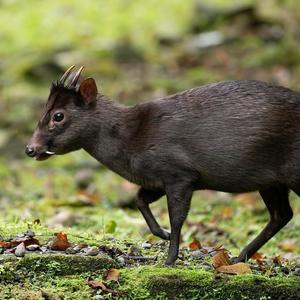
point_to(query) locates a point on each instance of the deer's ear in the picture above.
(88, 90)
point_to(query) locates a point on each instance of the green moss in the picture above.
(55, 264)
(162, 283)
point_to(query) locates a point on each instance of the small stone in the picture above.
(80, 247)
(93, 251)
(44, 249)
(30, 233)
(296, 272)
(71, 250)
(134, 251)
(146, 245)
(198, 254)
(20, 250)
(33, 247)
(121, 261)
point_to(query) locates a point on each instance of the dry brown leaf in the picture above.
(97, 285)
(239, 268)
(226, 213)
(87, 197)
(248, 199)
(257, 256)
(289, 245)
(60, 243)
(5, 245)
(279, 260)
(14, 243)
(195, 244)
(100, 285)
(111, 274)
(220, 259)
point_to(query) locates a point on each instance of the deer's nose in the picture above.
(30, 151)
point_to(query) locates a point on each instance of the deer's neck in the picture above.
(108, 136)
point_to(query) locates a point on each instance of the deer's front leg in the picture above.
(179, 199)
(144, 198)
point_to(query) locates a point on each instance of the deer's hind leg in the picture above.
(277, 202)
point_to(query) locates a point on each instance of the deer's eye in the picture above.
(58, 117)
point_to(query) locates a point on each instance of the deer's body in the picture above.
(233, 136)
(194, 133)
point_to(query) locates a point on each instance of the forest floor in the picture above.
(73, 203)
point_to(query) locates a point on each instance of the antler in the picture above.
(64, 77)
(76, 77)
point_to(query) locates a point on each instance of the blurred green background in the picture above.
(136, 51)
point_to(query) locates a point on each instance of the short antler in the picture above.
(63, 78)
(76, 77)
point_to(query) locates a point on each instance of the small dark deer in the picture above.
(232, 136)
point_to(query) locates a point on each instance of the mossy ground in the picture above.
(66, 277)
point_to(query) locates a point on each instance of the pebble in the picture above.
(146, 245)
(121, 261)
(30, 233)
(20, 250)
(80, 247)
(296, 272)
(92, 251)
(198, 254)
(134, 251)
(44, 249)
(71, 250)
(33, 247)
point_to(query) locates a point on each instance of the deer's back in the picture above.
(233, 129)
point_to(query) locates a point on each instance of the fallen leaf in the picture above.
(195, 244)
(239, 268)
(15, 242)
(249, 199)
(226, 213)
(87, 197)
(220, 259)
(288, 245)
(60, 243)
(111, 274)
(5, 245)
(99, 285)
(257, 256)
(279, 260)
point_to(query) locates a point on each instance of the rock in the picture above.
(146, 245)
(71, 250)
(20, 250)
(80, 247)
(92, 251)
(198, 254)
(134, 251)
(33, 247)
(44, 249)
(30, 233)
(296, 272)
(121, 261)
